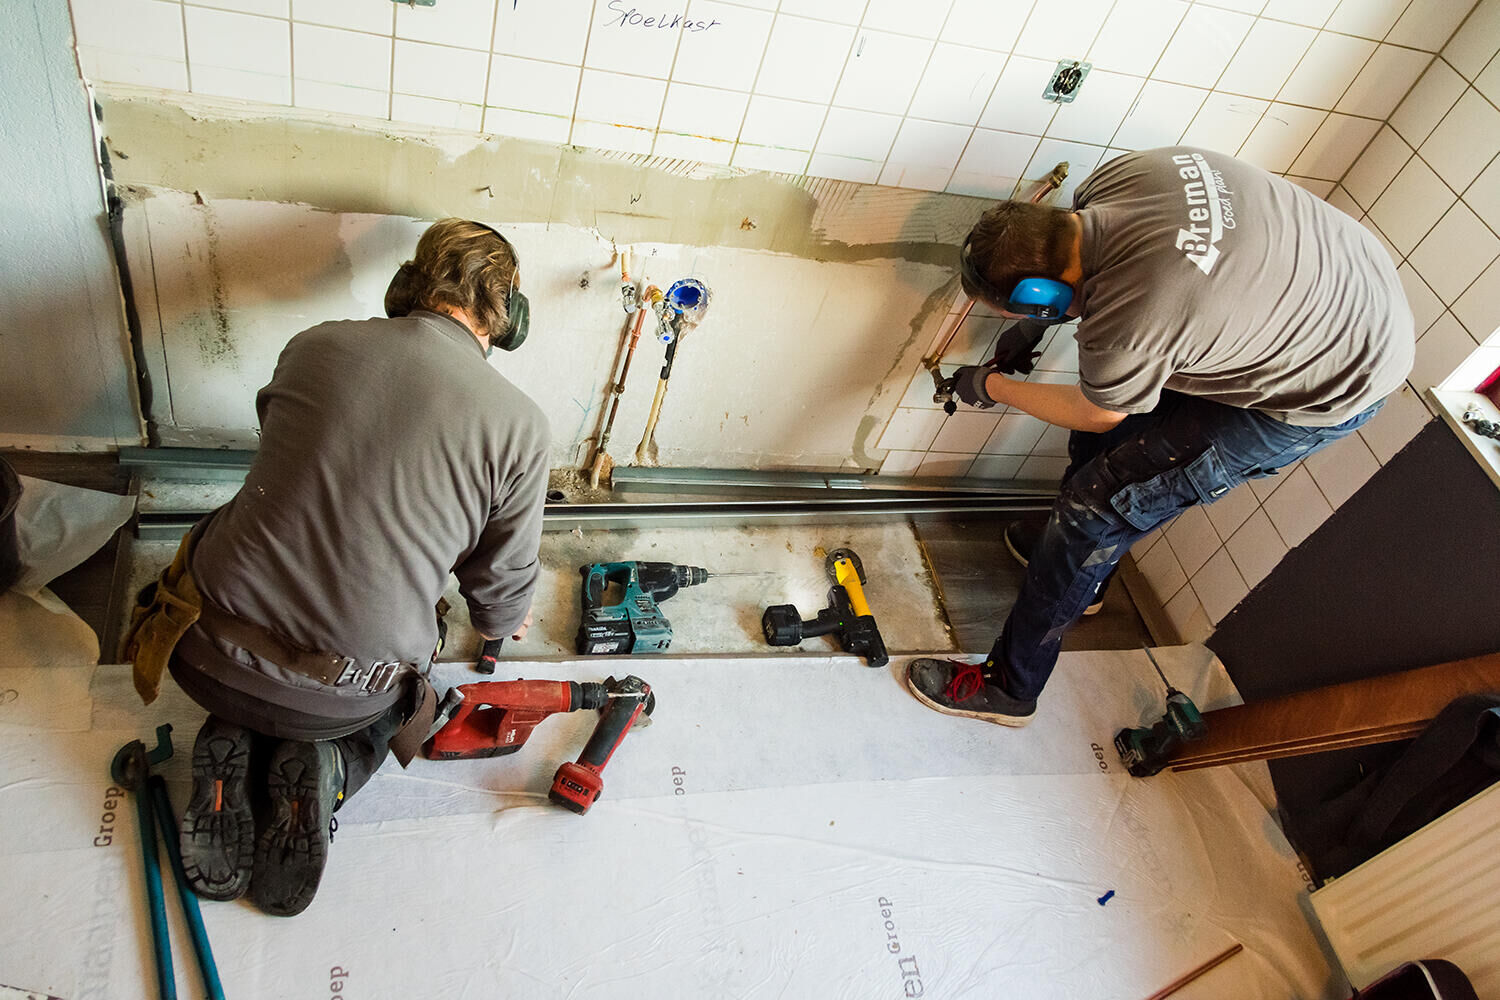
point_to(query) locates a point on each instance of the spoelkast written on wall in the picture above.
(631, 17)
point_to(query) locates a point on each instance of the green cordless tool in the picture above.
(1144, 751)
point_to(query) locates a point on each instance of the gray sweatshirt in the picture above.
(390, 454)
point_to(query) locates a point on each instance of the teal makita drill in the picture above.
(634, 623)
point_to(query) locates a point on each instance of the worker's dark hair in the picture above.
(1017, 240)
(461, 264)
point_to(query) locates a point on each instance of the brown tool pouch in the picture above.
(164, 610)
(407, 742)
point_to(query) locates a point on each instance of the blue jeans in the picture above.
(1120, 486)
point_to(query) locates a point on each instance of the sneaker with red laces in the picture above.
(957, 688)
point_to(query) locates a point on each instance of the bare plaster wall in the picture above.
(65, 363)
(825, 294)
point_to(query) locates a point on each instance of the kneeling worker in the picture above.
(1230, 324)
(391, 453)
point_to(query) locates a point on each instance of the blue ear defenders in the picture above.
(1040, 299)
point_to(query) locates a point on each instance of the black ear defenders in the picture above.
(1040, 299)
(518, 309)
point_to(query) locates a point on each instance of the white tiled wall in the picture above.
(1429, 186)
(944, 95)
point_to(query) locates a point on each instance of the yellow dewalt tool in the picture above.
(847, 617)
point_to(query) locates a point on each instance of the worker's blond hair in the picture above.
(460, 264)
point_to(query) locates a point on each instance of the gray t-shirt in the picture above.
(390, 454)
(1211, 277)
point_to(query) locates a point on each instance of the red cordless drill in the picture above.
(495, 718)
(578, 784)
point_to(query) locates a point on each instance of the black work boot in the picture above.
(1021, 538)
(956, 688)
(217, 839)
(305, 781)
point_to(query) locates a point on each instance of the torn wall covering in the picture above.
(241, 232)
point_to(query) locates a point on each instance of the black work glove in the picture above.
(1015, 351)
(968, 385)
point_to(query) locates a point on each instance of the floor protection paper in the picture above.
(786, 827)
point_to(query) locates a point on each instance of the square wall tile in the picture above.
(1267, 56)
(966, 431)
(902, 463)
(1478, 309)
(1330, 65)
(1135, 34)
(1193, 538)
(987, 24)
(1366, 18)
(1160, 115)
(537, 87)
(725, 56)
(802, 59)
(1335, 146)
(440, 72)
(437, 113)
(1456, 252)
(1483, 196)
(1473, 47)
(1062, 30)
(912, 429)
(1256, 548)
(351, 15)
(1080, 157)
(854, 169)
(703, 111)
(347, 58)
(945, 466)
(1017, 105)
(842, 11)
(1344, 202)
(1188, 617)
(896, 15)
(343, 99)
(1377, 166)
(621, 45)
(926, 149)
(1232, 510)
(103, 64)
(1412, 205)
(265, 8)
(1224, 122)
(771, 158)
(1383, 82)
(1342, 468)
(1427, 24)
(860, 134)
(1321, 188)
(614, 99)
(1297, 508)
(1439, 351)
(239, 55)
(1281, 135)
(1162, 571)
(1435, 93)
(773, 121)
(992, 164)
(1219, 586)
(1400, 420)
(1015, 434)
(1201, 49)
(1100, 108)
(1464, 142)
(996, 467)
(131, 41)
(882, 72)
(554, 31)
(1043, 468)
(1309, 12)
(461, 25)
(1054, 443)
(956, 85)
(1426, 307)
(527, 125)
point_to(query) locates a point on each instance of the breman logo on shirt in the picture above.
(1209, 210)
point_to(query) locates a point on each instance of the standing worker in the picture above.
(1230, 323)
(301, 613)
